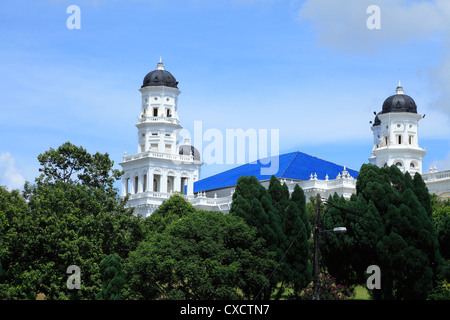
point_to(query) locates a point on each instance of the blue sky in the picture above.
(311, 69)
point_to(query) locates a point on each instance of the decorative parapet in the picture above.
(435, 175)
(201, 200)
(159, 155)
(146, 119)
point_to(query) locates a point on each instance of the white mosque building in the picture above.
(163, 166)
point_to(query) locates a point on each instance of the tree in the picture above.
(444, 237)
(74, 165)
(441, 221)
(73, 216)
(297, 271)
(204, 255)
(252, 202)
(169, 211)
(113, 278)
(280, 196)
(298, 196)
(294, 266)
(357, 245)
(389, 224)
(13, 226)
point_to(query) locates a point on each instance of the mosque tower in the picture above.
(395, 132)
(161, 165)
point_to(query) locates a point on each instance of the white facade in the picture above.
(158, 169)
(220, 199)
(396, 141)
(438, 182)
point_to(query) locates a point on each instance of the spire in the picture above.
(399, 89)
(160, 65)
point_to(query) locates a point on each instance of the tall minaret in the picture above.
(395, 132)
(161, 166)
(158, 122)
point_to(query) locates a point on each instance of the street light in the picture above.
(317, 231)
(340, 229)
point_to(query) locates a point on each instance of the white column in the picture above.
(161, 141)
(146, 147)
(124, 187)
(139, 183)
(177, 182)
(150, 180)
(132, 183)
(163, 183)
(190, 186)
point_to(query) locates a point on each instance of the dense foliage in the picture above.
(205, 255)
(282, 222)
(72, 215)
(329, 290)
(389, 223)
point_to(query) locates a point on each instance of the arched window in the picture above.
(385, 165)
(398, 164)
(411, 165)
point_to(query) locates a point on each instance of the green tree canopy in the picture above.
(389, 224)
(253, 203)
(295, 269)
(67, 221)
(204, 255)
(113, 277)
(169, 211)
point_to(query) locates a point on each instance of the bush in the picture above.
(328, 290)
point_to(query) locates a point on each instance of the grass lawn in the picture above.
(361, 293)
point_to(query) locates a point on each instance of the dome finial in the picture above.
(160, 65)
(399, 89)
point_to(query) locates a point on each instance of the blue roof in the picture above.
(294, 165)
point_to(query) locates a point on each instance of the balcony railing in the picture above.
(433, 176)
(221, 203)
(159, 155)
(144, 119)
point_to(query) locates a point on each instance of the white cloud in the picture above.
(343, 28)
(10, 176)
(441, 165)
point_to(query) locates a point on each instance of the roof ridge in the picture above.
(340, 165)
(244, 164)
(296, 154)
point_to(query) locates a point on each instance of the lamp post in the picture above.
(316, 250)
(317, 231)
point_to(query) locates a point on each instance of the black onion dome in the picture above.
(187, 150)
(399, 102)
(160, 77)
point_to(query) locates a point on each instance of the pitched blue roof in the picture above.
(294, 165)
